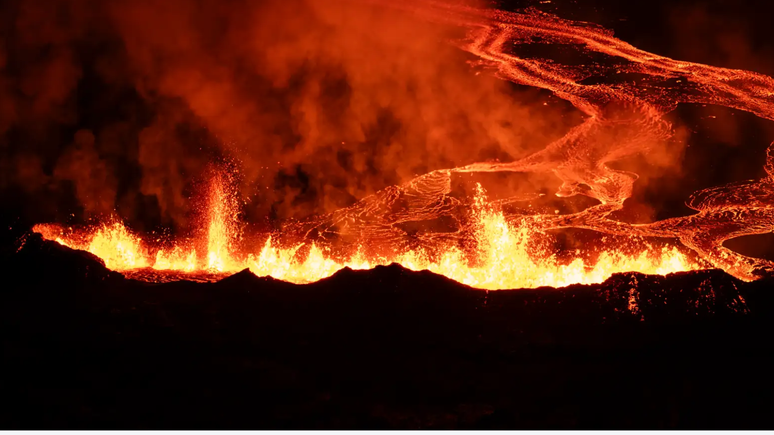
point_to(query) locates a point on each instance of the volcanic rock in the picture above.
(84, 347)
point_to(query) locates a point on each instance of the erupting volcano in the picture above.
(504, 243)
(499, 254)
(289, 214)
(624, 94)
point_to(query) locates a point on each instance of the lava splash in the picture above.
(501, 254)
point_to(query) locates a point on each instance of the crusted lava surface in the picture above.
(84, 347)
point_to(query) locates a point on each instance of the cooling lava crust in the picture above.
(84, 347)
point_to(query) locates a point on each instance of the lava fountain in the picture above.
(503, 254)
(491, 247)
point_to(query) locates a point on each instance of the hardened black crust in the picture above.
(84, 347)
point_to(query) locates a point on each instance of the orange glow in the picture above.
(112, 242)
(491, 246)
(221, 227)
(506, 256)
(175, 259)
(117, 248)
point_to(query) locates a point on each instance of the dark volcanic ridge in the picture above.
(85, 347)
(630, 295)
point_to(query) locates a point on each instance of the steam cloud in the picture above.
(126, 105)
(123, 105)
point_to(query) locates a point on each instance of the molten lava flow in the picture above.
(111, 242)
(175, 259)
(491, 247)
(505, 255)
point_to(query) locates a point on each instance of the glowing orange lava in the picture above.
(506, 256)
(493, 248)
(112, 242)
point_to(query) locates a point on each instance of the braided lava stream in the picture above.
(492, 246)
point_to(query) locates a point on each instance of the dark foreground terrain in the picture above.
(83, 347)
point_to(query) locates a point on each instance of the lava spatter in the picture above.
(502, 255)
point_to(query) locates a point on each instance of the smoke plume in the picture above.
(124, 105)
